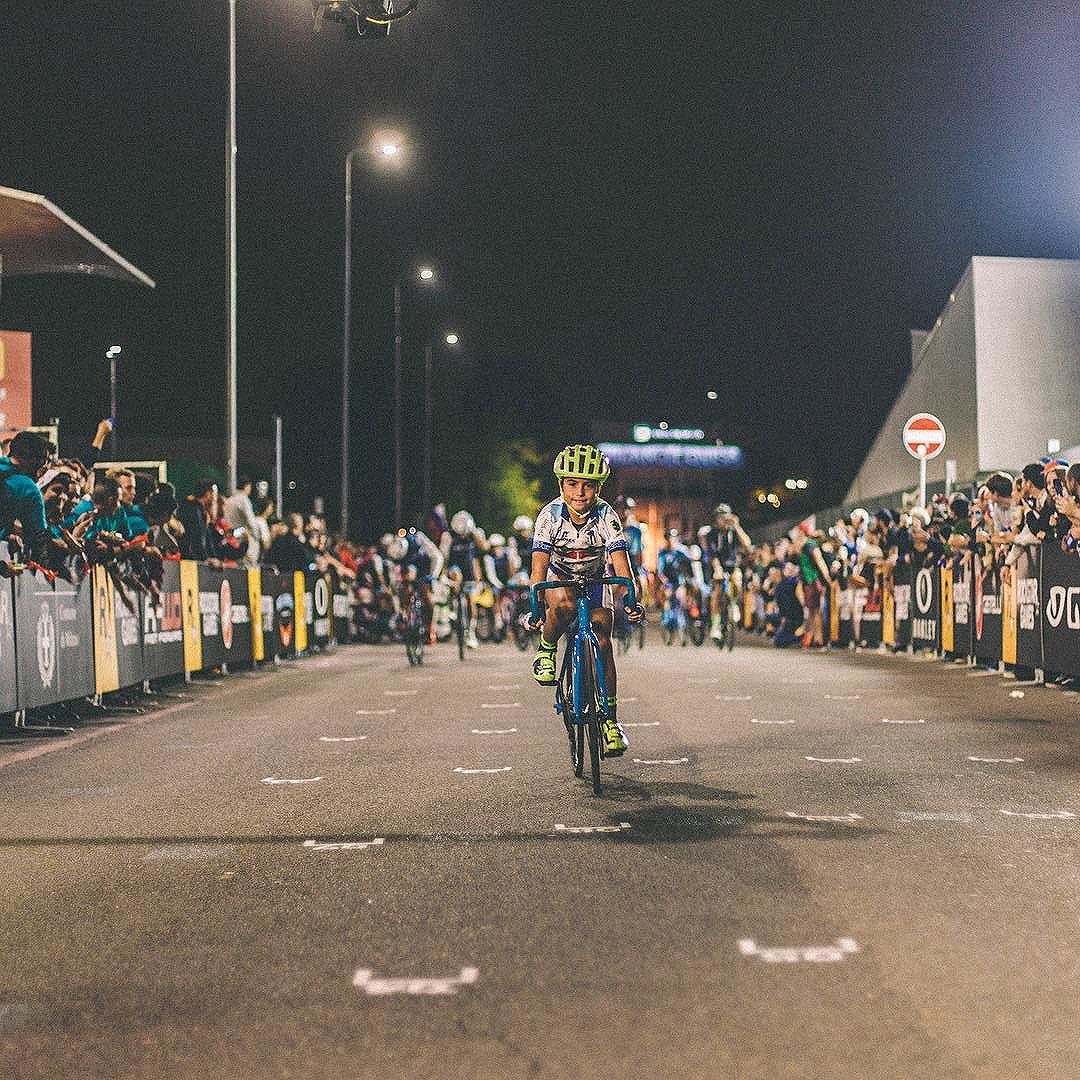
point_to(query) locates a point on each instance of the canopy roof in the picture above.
(37, 237)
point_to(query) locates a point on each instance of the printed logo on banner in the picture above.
(902, 598)
(46, 645)
(321, 600)
(1064, 604)
(7, 620)
(924, 591)
(210, 610)
(226, 614)
(284, 606)
(978, 602)
(163, 621)
(1027, 602)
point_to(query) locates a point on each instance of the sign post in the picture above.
(923, 438)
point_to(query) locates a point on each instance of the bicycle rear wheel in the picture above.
(459, 624)
(415, 633)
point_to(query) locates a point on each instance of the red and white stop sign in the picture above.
(924, 436)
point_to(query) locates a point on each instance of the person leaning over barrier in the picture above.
(21, 504)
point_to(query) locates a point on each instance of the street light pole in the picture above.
(230, 258)
(397, 402)
(427, 427)
(346, 359)
(112, 354)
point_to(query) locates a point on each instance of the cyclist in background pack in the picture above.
(580, 535)
(726, 541)
(461, 550)
(522, 541)
(414, 561)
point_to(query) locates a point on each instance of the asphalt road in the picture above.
(789, 885)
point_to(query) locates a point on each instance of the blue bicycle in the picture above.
(580, 693)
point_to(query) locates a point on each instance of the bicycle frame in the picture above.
(585, 636)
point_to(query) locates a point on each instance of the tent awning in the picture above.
(37, 237)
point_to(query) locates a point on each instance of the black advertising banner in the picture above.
(322, 623)
(54, 643)
(342, 615)
(962, 604)
(284, 614)
(902, 606)
(1061, 611)
(269, 587)
(925, 604)
(127, 612)
(213, 647)
(235, 609)
(1028, 608)
(8, 699)
(986, 610)
(163, 627)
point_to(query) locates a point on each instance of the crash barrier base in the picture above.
(1024, 615)
(62, 640)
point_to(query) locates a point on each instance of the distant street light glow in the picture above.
(390, 149)
(712, 395)
(790, 484)
(801, 485)
(452, 339)
(427, 274)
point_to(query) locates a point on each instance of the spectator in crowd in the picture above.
(789, 599)
(163, 530)
(289, 550)
(22, 509)
(199, 540)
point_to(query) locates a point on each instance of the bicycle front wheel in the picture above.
(459, 627)
(575, 732)
(592, 725)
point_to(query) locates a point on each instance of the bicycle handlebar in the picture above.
(579, 583)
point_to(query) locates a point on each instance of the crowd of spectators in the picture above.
(1001, 517)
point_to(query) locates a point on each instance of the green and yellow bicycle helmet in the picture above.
(582, 462)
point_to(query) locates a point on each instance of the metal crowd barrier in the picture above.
(1026, 615)
(61, 641)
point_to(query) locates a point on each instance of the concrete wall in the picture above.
(942, 382)
(1027, 339)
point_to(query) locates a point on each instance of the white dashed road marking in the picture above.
(823, 817)
(476, 772)
(834, 760)
(494, 731)
(662, 761)
(843, 697)
(1052, 815)
(733, 697)
(586, 830)
(276, 780)
(365, 980)
(997, 760)
(507, 705)
(755, 720)
(342, 738)
(375, 712)
(508, 686)
(1016, 693)
(400, 693)
(886, 720)
(348, 845)
(811, 954)
(644, 723)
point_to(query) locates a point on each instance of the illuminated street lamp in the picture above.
(452, 338)
(111, 354)
(712, 395)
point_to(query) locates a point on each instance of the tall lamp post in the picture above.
(112, 354)
(388, 147)
(450, 339)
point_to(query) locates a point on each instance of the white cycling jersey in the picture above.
(578, 549)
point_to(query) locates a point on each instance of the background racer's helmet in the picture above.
(582, 462)
(722, 510)
(462, 523)
(523, 522)
(497, 540)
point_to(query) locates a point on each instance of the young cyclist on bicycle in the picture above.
(579, 534)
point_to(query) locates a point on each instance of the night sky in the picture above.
(624, 212)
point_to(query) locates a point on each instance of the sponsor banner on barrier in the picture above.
(888, 610)
(127, 614)
(1008, 614)
(163, 626)
(945, 584)
(845, 610)
(1060, 611)
(106, 663)
(986, 610)
(342, 618)
(302, 611)
(54, 644)
(235, 609)
(211, 629)
(866, 615)
(961, 605)
(1028, 608)
(255, 610)
(284, 614)
(189, 599)
(9, 701)
(322, 626)
(925, 608)
(901, 606)
(833, 601)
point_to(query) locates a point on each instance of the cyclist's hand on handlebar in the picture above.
(635, 614)
(531, 624)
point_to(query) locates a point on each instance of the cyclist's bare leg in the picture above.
(560, 610)
(429, 603)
